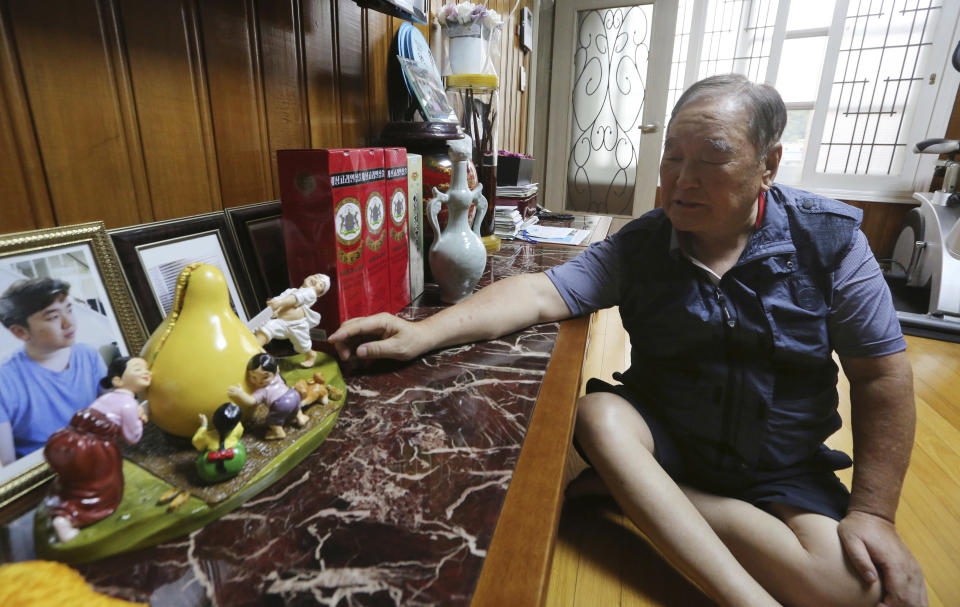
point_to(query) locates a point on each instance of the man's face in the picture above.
(710, 174)
(51, 328)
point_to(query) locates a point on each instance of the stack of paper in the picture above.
(508, 223)
(516, 191)
(552, 235)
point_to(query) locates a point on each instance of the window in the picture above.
(863, 80)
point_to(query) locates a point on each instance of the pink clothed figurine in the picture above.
(85, 455)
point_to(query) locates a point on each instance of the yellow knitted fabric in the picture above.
(49, 584)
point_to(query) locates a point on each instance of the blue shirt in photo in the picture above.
(37, 402)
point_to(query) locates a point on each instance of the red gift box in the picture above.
(375, 265)
(325, 196)
(395, 165)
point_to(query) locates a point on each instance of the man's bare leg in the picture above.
(620, 447)
(796, 555)
(799, 559)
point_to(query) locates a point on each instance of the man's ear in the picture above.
(770, 165)
(20, 332)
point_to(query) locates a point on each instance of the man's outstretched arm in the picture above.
(883, 422)
(500, 308)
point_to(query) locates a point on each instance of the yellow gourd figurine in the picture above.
(199, 349)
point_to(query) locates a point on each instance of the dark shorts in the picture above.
(810, 485)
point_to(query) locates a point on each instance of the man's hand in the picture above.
(379, 336)
(877, 552)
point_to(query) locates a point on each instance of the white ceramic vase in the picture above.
(457, 256)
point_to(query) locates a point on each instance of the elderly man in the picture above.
(735, 294)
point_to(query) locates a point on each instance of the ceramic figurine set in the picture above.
(203, 372)
(199, 357)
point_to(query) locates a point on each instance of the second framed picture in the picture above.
(153, 254)
(258, 229)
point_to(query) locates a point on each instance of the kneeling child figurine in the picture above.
(270, 390)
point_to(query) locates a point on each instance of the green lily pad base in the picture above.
(141, 521)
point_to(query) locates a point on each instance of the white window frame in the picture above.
(929, 118)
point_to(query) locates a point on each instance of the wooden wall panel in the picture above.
(233, 76)
(284, 89)
(379, 37)
(23, 187)
(75, 103)
(351, 52)
(320, 66)
(881, 224)
(172, 107)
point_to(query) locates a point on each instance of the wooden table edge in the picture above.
(516, 570)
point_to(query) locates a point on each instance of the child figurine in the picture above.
(85, 455)
(222, 455)
(270, 390)
(293, 317)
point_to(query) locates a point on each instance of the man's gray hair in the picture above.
(768, 114)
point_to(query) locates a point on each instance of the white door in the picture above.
(608, 95)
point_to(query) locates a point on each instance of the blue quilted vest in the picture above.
(742, 371)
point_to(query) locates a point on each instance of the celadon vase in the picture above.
(457, 256)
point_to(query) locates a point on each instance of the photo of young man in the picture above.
(52, 376)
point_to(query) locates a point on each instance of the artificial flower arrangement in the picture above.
(465, 13)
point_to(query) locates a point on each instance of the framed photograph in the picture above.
(258, 230)
(103, 315)
(153, 254)
(429, 92)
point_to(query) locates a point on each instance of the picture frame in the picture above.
(106, 315)
(258, 230)
(153, 254)
(429, 92)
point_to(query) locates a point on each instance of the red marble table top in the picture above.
(397, 507)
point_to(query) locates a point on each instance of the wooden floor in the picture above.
(601, 559)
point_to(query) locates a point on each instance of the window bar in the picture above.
(873, 93)
(836, 114)
(856, 71)
(695, 52)
(863, 89)
(777, 38)
(896, 94)
(768, 29)
(739, 41)
(916, 61)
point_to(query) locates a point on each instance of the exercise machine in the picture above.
(927, 251)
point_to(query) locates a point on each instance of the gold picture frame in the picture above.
(88, 251)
